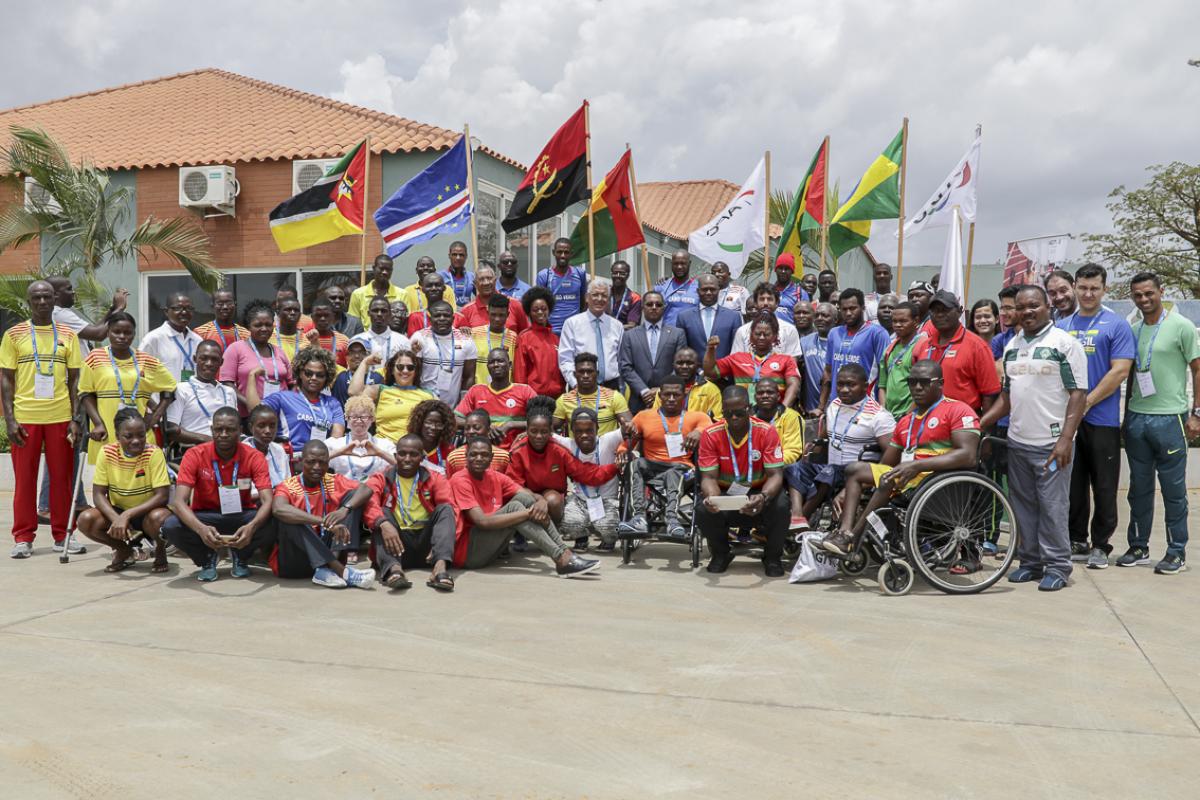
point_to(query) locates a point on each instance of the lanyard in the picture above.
(295, 349)
(436, 456)
(199, 402)
(907, 349)
(320, 413)
(333, 348)
(616, 309)
(274, 363)
(933, 345)
(847, 342)
(442, 358)
(37, 362)
(405, 517)
(909, 446)
(455, 284)
(387, 344)
(308, 505)
(840, 439)
(132, 401)
(737, 473)
(366, 472)
(758, 364)
(186, 352)
(282, 471)
(556, 287)
(595, 459)
(677, 289)
(1150, 348)
(217, 473)
(221, 334)
(666, 431)
(579, 400)
(489, 340)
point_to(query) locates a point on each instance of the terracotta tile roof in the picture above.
(676, 208)
(213, 116)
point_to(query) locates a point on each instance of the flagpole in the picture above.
(824, 209)
(903, 170)
(362, 252)
(767, 221)
(471, 192)
(637, 207)
(971, 234)
(587, 143)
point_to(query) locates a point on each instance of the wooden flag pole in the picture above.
(587, 140)
(824, 207)
(767, 220)
(471, 192)
(362, 252)
(637, 209)
(970, 252)
(900, 239)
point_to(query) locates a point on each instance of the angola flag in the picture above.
(615, 223)
(877, 195)
(557, 178)
(808, 206)
(330, 209)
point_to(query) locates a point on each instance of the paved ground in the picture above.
(651, 681)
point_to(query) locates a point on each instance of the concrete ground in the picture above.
(650, 681)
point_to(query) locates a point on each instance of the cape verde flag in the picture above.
(435, 201)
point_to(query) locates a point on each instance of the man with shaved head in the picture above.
(679, 291)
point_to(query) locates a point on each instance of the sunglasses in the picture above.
(921, 381)
(406, 367)
(308, 373)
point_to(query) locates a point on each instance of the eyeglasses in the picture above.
(180, 308)
(406, 367)
(360, 417)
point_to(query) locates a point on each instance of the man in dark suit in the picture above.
(708, 319)
(647, 353)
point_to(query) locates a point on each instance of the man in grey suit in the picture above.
(647, 353)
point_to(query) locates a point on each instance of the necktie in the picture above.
(599, 349)
(652, 336)
(707, 312)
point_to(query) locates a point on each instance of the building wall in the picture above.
(17, 260)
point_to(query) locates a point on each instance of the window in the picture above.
(247, 287)
(314, 281)
(487, 223)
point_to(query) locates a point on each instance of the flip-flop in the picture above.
(158, 569)
(124, 565)
(442, 582)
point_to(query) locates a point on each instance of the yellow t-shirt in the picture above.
(131, 481)
(99, 379)
(360, 301)
(485, 342)
(394, 407)
(414, 298)
(607, 406)
(790, 428)
(410, 500)
(16, 353)
(703, 397)
(289, 345)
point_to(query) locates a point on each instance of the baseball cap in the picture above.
(921, 286)
(362, 339)
(945, 297)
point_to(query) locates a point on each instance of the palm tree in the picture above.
(778, 207)
(82, 218)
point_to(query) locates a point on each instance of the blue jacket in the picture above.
(725, 325)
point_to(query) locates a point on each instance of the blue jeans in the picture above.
(1157, 443)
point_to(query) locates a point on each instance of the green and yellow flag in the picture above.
(877, 196)
(808, 207)
(331, 208)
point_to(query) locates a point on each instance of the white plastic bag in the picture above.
(813, 564)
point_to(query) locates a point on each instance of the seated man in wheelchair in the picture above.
(939, 435)
(667, 437)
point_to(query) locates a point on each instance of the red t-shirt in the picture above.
(476, 314)
(930, 432)
(457, 460)
(487, 494)
(419, 321)
(336, 344)
(747, 369)
(716, 458)
(503, 406)
(968, 368)
(196, 471)
(336, 488)
(549, 469)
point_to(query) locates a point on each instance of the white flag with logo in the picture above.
(959, 189)
(951, 278)
(737, 229)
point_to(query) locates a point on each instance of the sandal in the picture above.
(118, 566)
(396, 579)
(965, 566)
(442, 582)
(159, 567)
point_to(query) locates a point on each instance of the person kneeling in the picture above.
(492, 507)
(130, 492)
(306, 537)
(741, 457)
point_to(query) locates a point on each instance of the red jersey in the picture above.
(487, 494)
(750, 458)
(222, 336)
(335, 343)
(320, 499)
(550, 468)
(476, 315)
(506, 405)
(196, 471)
(968, 368)
(928, 435)
(419, 321)
(747, 369)
(536, 362)
(457, 460)
(432, 489)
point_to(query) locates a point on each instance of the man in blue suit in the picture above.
(709, 319)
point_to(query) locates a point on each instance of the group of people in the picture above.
(469, 415)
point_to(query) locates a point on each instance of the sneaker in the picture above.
(1080, 551)
(577, 566)
(799, 523)
(239, 568)
(606, 547)
(719, 563)
(635, 526)
(518, 544)
(75, 549)
(1097, 559)
(1133, 557)
(581, 545)
(837, 543)
(21, 550)
(208, 573)
(1024, 575)
(330, 579)
(1052, 582)
(990, 549)
(1171, 564)
(774, 569)
(359, 578)
(677, 532)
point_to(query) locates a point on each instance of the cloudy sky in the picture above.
(1074, 97)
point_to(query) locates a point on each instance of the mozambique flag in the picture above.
(615, 223)
(808, 206)
(331, 208)
(557, 178)
(877, 196)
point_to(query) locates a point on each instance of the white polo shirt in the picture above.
(1039, 373)
(176, 350)
(195, 402)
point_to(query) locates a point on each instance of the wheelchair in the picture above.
(656, 501)
(942, 524)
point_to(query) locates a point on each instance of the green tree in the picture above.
(1155, 228)
(82, 221)
(777, 210)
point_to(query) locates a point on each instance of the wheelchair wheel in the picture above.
(855, 562)
(950, 518)
(896, 578)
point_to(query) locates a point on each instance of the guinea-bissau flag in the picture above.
(331, 208)
(808, 207)
(877, 196)
(615, 223)
(557, 178)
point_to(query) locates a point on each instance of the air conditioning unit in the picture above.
(306, 172)
(212, 186)
(38, 199)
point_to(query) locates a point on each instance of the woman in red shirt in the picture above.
(434, 422)
(536, 359)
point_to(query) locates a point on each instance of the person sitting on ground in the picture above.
(433, 421)
(358, 455)
(700, 394)
(396, 397)
(506, 402)
(315, 513)
(741, 456)
(130, 494)
(946, 438)
(761, 362)
(475, 423)
(190, 416)
(213, 508)
(263, 423)
(589, 511)
(412, 519)
(493, 507)
(667, 437)
(610, 405)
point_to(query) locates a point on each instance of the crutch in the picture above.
(80, 449)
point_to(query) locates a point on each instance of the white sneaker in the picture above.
(21, 550)
(75, 549)
(329, 579)
(360, 578)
